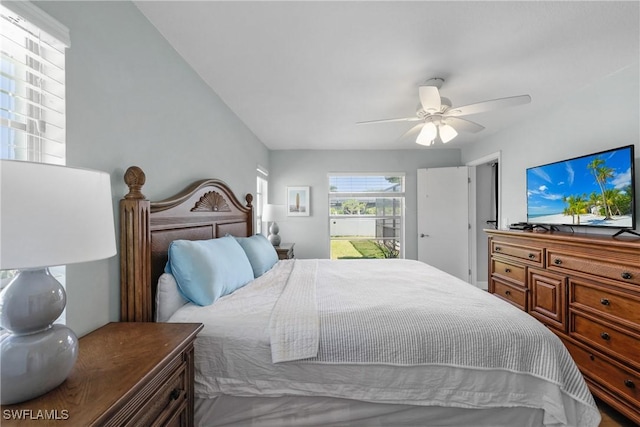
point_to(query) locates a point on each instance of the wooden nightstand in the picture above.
(285, 250)
(127, 374)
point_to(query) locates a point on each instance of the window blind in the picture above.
(262, 185)
(32, 85)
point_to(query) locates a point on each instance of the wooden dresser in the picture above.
(127, 374)
(587, 290)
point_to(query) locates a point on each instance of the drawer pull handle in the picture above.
(498, 248)
(604, 301)
(627, 276)
(507, 270)
(557, 261)
(532, 256)
(605, 336)
(629, 384)
(175, 394)
(592, 357)
(507, 293)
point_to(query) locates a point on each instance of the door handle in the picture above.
(424, 235)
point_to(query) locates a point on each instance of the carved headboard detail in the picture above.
(206, 209)
(211, 202)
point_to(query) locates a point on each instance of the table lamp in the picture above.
(273, 213)
(49, 215)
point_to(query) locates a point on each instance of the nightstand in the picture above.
(127, 374)
(285, 250)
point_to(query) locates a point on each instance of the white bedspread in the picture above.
(389, 331)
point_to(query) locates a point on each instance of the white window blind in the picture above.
(262, 186)
(32, 84)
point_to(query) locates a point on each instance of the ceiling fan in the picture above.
(440, 119)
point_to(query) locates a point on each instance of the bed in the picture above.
(334, 343)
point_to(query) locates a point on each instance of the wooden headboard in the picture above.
(206, 209)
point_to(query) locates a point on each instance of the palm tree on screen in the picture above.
(596, 201)
(576, 205)
(602, 173)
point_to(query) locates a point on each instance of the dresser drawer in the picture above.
(561, 261)
(522, 253)
(615, 304)
(168, 395)
(516, 295)
(509, 271)
(621, 380)
(146, 406)
(613, 340)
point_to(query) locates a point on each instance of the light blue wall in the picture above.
(311, 167)
(603, 115)
(132, 100)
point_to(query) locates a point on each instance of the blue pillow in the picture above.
(261, 253)
(205, 270)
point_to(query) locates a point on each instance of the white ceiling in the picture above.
(300, 74)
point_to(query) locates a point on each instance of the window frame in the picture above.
(377, 195)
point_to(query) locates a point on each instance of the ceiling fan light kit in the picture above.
(440, 120)
(427, 134)
(447, 132)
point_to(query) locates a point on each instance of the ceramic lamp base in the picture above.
(36, 356)
(273, 234)
(36, 363)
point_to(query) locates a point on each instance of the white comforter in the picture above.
(389, 331)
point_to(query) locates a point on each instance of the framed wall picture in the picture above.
(298, 201)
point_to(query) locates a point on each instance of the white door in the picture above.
(443, 219)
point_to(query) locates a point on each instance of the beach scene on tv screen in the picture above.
(592, 190)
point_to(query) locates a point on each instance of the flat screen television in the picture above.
(595, 190)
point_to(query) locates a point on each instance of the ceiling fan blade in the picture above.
(412, 132)
(401, 119)
(429, 98)
(463, 124)
(494, 104)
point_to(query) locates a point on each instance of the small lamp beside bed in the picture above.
(49, 215)
(273, 213)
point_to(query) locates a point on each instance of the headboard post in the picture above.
(135, 251)
(249, 199)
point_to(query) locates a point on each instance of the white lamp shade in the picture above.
(427, 134)
(53, 215)
(273, 213)
(447, 133)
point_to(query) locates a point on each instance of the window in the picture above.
(366, 215)
(261, 196)
(32, 85)
(32, 92)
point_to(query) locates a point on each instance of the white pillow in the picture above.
(168, 297)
